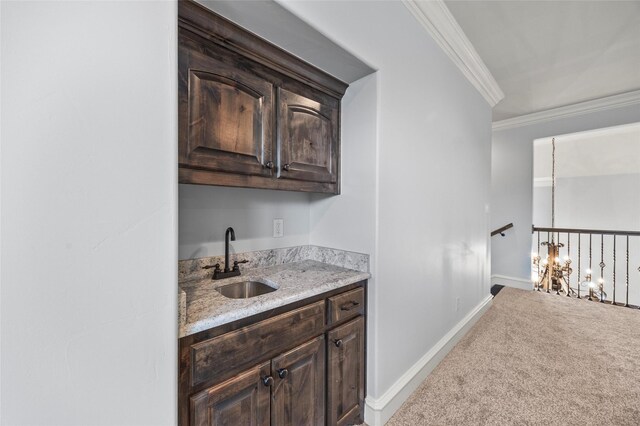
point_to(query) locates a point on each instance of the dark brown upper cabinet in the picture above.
(308, 136)
(251, 114)
(228, 115)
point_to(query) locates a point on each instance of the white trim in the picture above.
(520, 283)
(436, 18)
(378, 411)
(608, 131)
(602, 104)
(542, 182)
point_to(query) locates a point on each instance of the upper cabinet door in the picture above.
(308, 135)
(225, 114)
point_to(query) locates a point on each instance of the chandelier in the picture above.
(552, 273)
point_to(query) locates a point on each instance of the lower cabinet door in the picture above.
(345, 373)
(298, 394)
(242, 400)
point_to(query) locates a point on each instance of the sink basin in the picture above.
(245, 289)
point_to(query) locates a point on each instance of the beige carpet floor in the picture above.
(536, 359)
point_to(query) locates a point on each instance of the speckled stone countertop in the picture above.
(202, 307)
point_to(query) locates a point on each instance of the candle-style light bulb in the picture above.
(588, 271)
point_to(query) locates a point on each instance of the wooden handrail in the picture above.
(583, 231)
(502, 229)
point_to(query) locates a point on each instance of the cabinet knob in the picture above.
(267, 381)
(269, 165)
(285, 167)
(282, 373)
(338, 343)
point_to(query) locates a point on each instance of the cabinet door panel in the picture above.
(226, 116)
(345, 373)
(242, 400)
(298, 397)
(308, 137)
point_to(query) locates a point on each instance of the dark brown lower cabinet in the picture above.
(241, 400)
(298, 390)
(345, 373)
(301, 365)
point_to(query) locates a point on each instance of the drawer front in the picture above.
(223, 356)
(346, 305)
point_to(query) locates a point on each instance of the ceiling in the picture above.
(277, 25)
(548, 54)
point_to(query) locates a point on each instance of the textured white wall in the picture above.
(433, 181)
(512, 182)
(89, 201)
(207, 211)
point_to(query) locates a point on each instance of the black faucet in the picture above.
(227, 233)
(218, 274)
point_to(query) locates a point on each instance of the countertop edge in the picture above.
(218, 320)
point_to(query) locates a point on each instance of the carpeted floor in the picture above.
(536, 359)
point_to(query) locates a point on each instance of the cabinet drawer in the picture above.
(223, 356)
(346, 305)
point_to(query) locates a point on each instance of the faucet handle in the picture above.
(217, 266)
(236, 264)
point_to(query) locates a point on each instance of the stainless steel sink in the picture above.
(245, 289)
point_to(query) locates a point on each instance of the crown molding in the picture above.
(436, 18)
(602, 104)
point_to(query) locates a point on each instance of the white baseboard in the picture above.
(378, 411)
(514, 282)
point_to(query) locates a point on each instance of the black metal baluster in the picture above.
(613, 300)
(590, 258)
(579, 234)
(547, 267)
(602, 265)
(568, 265)
(538, 264)
(626, 302)
(557, 264)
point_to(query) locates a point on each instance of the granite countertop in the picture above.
(202, 307)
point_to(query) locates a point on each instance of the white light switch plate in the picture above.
(278, 228)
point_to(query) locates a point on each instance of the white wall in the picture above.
(348, 221)
(88, 219)
(207, 211)
(591, 202)
(512, 180)
(433, 180)
(600, 202)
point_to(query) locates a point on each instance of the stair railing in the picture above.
(576, 246)
(502, 229)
